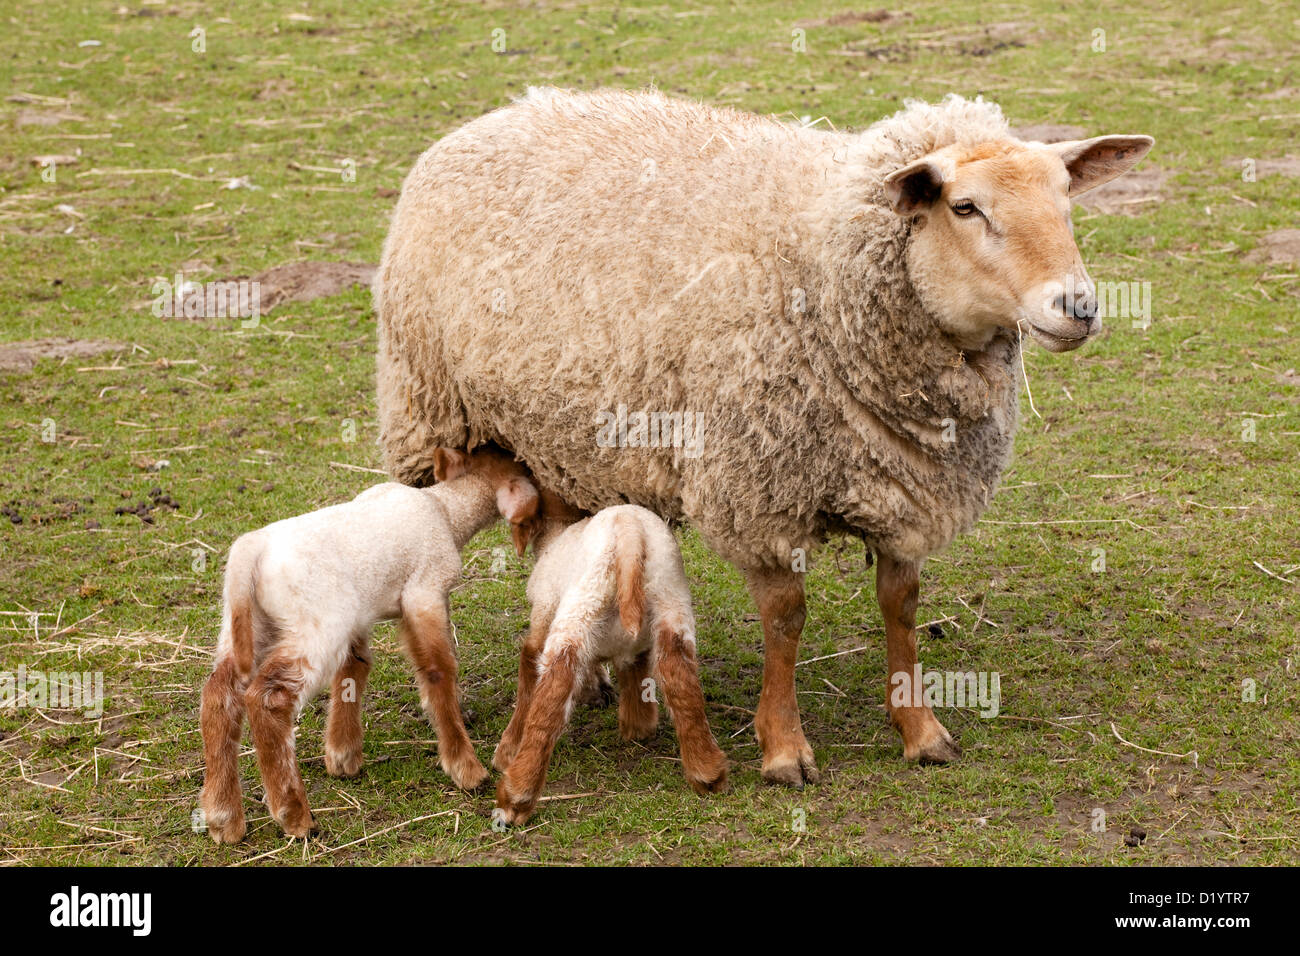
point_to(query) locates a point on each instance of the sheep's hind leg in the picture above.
(703, 762)
(787, 758)
(897, 587)
(552, 702)
(637, 717)
(426, 631)
(528, 657)
(222, 719)
(343, 735)
(273, 700)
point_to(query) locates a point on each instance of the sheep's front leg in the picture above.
(552, 702)
(787, 758)
(703, 762)
(924, 738)
(343, 737)
(426, 631)
(272, 700)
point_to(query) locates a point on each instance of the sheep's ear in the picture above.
(449, 464)
(914, 187)
(1092, 162)
(517, 500)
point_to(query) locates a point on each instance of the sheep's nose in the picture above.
(1079, 303)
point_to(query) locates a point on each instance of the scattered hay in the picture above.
(1281, 247)
(23, 356)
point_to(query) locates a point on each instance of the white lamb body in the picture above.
(330, 575)
(574, 585)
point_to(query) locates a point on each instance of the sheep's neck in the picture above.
(470, 505)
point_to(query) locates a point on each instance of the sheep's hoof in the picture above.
(599, 690)
(343, 763)
(710, 780)
(468, 774)
(232, 831)
(792, 769)
(300, 824)
(935, 747)
(511, 811)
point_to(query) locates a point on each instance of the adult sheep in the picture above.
(842, 311)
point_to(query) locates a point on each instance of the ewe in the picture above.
(841, 311)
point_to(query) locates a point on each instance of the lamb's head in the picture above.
(992, 245)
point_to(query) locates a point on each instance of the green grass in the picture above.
(250, 421)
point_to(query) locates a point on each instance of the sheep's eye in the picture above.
(964, 207)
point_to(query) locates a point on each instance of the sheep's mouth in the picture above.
(1058, 340)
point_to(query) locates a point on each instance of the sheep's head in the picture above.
(993, 246)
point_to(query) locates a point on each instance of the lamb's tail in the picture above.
(629, 572)
(241, 600)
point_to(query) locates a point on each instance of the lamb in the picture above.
(843, 313)
(301, 596)
(610, 588)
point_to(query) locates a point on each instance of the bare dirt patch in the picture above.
(850, 17)
(1130, 195)
(23, 356)
(1049, 133)
(304, 281)
(1281, 247)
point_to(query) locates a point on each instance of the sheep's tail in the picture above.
(629, 572)
(240, 601)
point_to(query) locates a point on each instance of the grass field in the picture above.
(1172, 449)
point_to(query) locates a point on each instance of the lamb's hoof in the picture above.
(708, 782)
(343, 763)
(232, 831)
(936, 747)
(642, 729)
(792, 769)
(511, 811)
(599, 690)
(301, 825)
(468, 774)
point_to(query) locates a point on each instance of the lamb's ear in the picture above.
(517, 500)
(449, 463)
(915, 186)
(1092, 162)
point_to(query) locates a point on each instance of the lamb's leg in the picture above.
(222, 720)
(637, 717)
(703, 762)
(426, 631)
(787, 758)
(897, 588)
(528, 657)
(552, 702)
(273, 700)
(343, 736)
